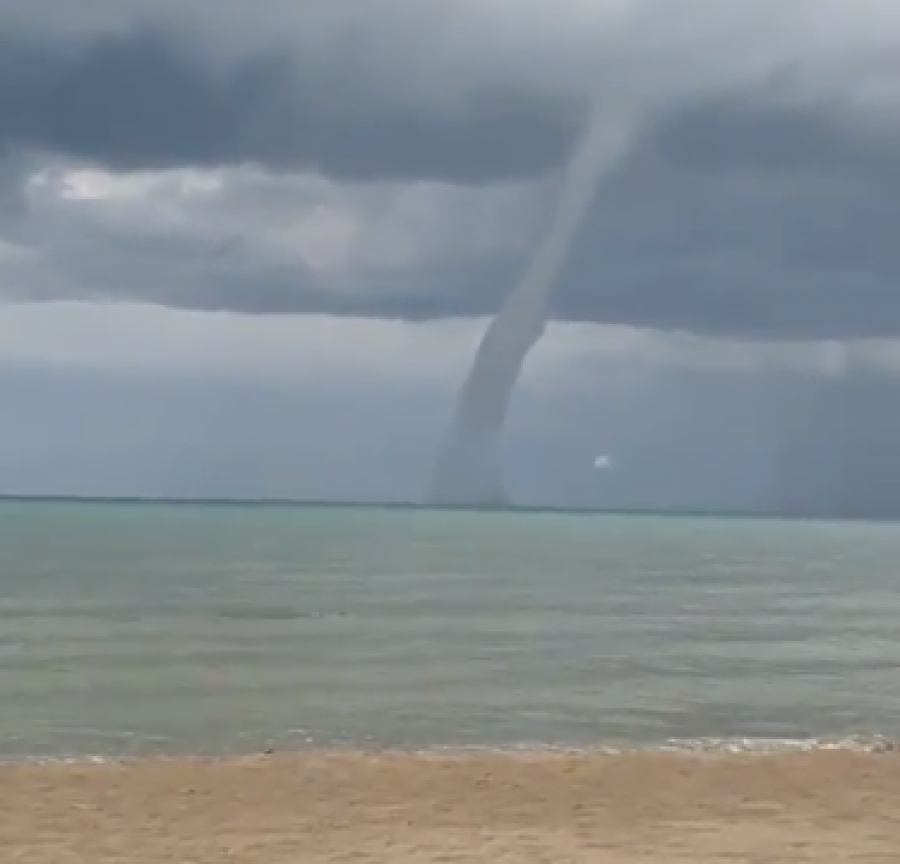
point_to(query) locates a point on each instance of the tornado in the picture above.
(468, 469)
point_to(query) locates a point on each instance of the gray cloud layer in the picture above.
(143, 100)
(759, 199)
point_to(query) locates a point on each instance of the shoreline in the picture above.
(867, 743)
(331, 807)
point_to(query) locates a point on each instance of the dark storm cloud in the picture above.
(737, 221)
(143, 99)
(759, 199)
(746, 222)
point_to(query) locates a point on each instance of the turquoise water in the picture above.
(162, 628)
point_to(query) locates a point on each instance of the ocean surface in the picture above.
(154, 628)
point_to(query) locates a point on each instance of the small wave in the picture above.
(850, 743)
(67, 613)
(853, 743)
(271, 613)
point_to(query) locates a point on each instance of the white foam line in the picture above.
(876, 744)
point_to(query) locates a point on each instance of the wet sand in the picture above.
(336, 808)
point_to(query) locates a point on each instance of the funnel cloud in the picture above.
(468, 469)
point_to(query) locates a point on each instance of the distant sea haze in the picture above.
(163, 628)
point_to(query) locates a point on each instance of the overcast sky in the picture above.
(246, 254)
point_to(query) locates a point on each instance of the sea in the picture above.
(161, 628)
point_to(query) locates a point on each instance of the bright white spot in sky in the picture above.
(602, 462)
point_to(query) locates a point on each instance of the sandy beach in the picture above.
(335, 808)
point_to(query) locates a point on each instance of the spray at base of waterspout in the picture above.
(468, 474)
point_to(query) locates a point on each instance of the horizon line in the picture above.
(394, 504)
